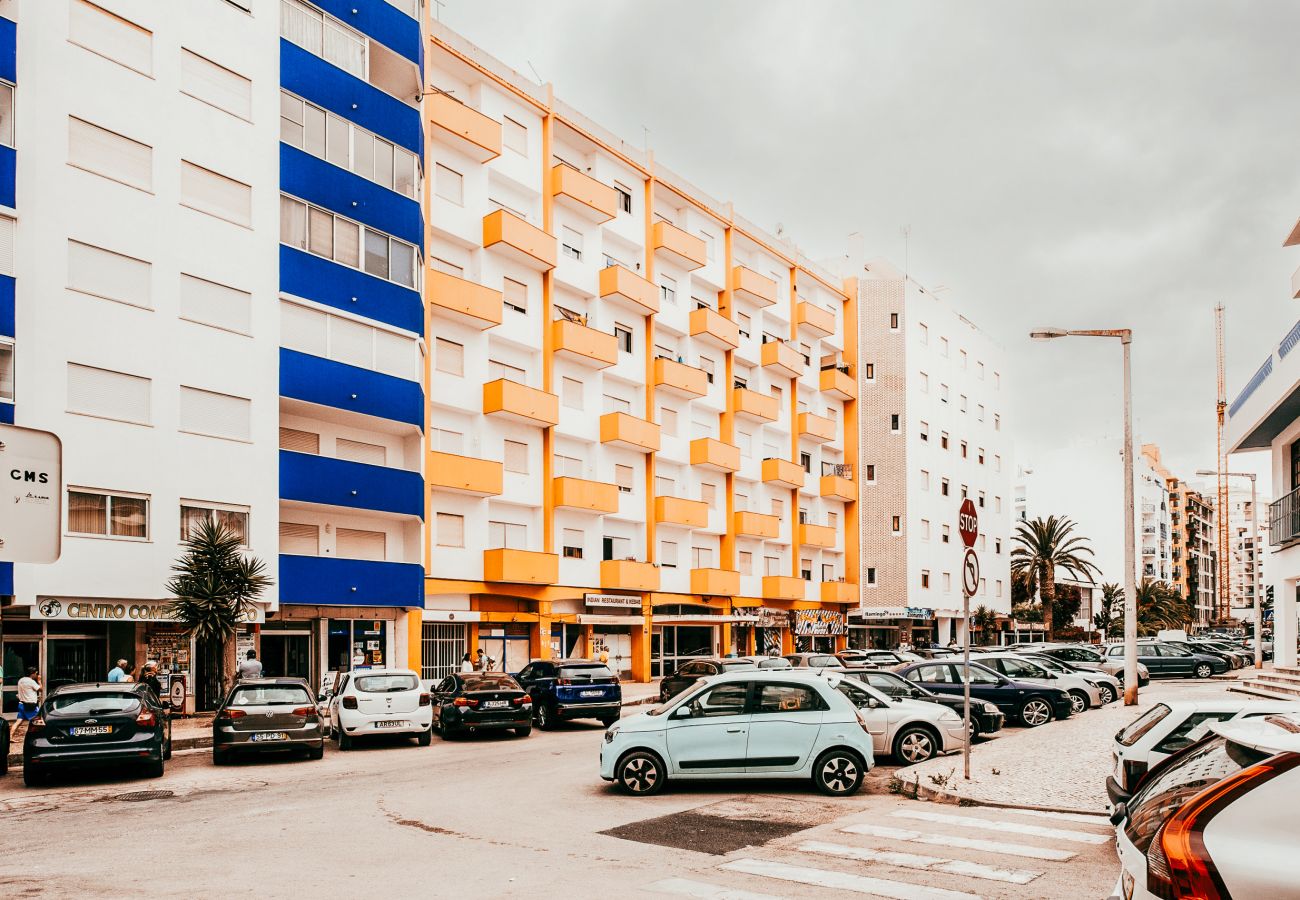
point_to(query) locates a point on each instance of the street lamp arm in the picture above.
(1124, 334)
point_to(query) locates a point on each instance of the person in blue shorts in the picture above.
(29, 700)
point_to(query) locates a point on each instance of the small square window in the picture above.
(893, 321)
(624, 197)
(623, 335)
(871, 576)
(449, 184)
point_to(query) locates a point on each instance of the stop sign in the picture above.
(968, 523)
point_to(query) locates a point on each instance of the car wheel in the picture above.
(1035, 712)
(167, 748)
(524, 730)
(1107, 694)
(1078, 702)
(4, 762)
(838, 773)
(446, 732)
(425, 738)
(33, 776)
(914, 745)
(220, 757)
(345, 740)
(1204, 670)
(545, 718)
(641, 773)
(317, 752)
(154, 768)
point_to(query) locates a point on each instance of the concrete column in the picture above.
(641, 644)
(724, 639)
(962, 627)
(1284, 621)
(945, 630)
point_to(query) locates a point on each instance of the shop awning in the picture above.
(594, 619)
(705, 620)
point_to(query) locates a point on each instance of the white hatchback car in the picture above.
(911, 731)
(380, 701)
(1083, 694)
(744, 724)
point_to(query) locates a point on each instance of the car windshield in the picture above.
(685, 696)
(386, 684)
(733, 664)
(1202, 765)
(270, 695)
(859, 694)
(1131, 733)
(91, 704)
(775, 663)
(491, 683)
(585, 673)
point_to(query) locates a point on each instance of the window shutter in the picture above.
(110, 36)
(6, 245)
(216, 85)
(359, 451)
(103, 273)
(215, 304)
(451, 530)
(215, 194)
(351, 342)
(397, 355)
(352, 543)
(299, 540)
(216, 415)
(303, 329)
(299, 441)
(110, 154)
(113, 395)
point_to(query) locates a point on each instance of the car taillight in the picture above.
(36, 725)
(1178, 864)
(146, 718)
(229, 714)
(521, 701)
(349, 702)
(425, 699)
(305, 711)
(464, 701)
(564, 681)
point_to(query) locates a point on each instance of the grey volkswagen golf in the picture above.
(268, 714)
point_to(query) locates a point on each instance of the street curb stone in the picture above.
(914, 791)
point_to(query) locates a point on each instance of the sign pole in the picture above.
(965, 691)
(968, 528)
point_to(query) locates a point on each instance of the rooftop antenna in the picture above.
(539, 78)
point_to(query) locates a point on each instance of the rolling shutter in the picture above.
(216, 415)
(113, 395)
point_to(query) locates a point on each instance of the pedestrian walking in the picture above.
(251, 666)
(149, 676)
(466, 664)
(128, 672)
(485, 662)
(115, 674)
(29, 701)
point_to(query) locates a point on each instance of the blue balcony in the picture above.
(319, 279)
(8, 50)
(7, 305)
(382, 21)
(308, 478)
(338, 385)
(331, 88)
(339, 190)
(330, 581)
(8, 174)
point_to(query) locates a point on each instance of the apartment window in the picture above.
(925, 529)
(979, 456)
(943, 393)
(624, 197)
(805, 569)
(925, 578)
(515, 295)
(979, 542)
(924, 382)
(962, 353)
(323, 36)
(997, 504)
(869, 371)
(297, 539)
(745, 323)
(668, 290)
(708, 245)
(979, 370)
(771, 565)
(742, 501)
(110, 36)
(746, 562)
(893, 423)
(805, 460)
(109, 154)
(925, 431)
(451, 530)
(997, 588)
(947, 534)
(964, 491)
(871, 577)
(701, 557)
(108, 395)
(943, 440)
(943, 487)
(980, 412)
(832, 520)
(356, 543)
(623, 335)
(668, 421)
(361, 452)
(870, 473)
(515, 456)
(113, 276)
(333, 237)
(514, 136)
(803, 516)
(925, 480)
(777, 508)
(924, 331)
(233, 518)
(449, 357)
(943, 347)
(709, 368)
(568, 466)
(963, 449)
(507, 534)
(896, 524)
(665, 486)
(962, 401)
(745, 441)
(110, 515)
(349, 146)
(299, 441)
(997, 381)
(947, 582)
(215, 194)
(573, 541)
(448, 184)
(997, 545)
(215, 85)
(348, 341)
(617, 404)
(893, 321)
(668, 554)
(209, 303)
(997, 422)
(215, 415)
(570, 243)
(708, 493)
(571, 393)
(623, 478)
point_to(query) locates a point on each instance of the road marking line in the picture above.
(684, 887)
(1083, 818)
(954, 840)
(843, 881)
(1082, 837)
(925, 863)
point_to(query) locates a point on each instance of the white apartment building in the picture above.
(1245, 551)
(932, 412)
(1156, 540)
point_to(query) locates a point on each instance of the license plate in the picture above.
(591, 693)
(270, 736)
(390, 723)
(495, 704)
(84, 730)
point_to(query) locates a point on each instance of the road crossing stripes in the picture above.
(686, 887)
(917, 861)
(1083, 837)
(843, 881)
(955, 840)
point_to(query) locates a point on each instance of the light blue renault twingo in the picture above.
(745, 724)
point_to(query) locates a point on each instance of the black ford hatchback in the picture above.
(84, 725)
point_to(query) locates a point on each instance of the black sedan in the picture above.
(1029, 703)
(481, 701)
(676, 682)
(4, 745)
(985, 717)
(83, 725)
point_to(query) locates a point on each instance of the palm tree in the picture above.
(214, 590)
(1159, 606)
(1043, 546)
(1112, 608)
(985, 620)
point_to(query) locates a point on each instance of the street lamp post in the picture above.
(1255, 548)
(1125, 336)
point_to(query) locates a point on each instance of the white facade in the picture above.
(1244, 551)
(1154, 527)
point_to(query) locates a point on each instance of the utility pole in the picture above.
(1221, 465)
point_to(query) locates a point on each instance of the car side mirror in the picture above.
(873, 703)
(1051, 676)
(682, 712)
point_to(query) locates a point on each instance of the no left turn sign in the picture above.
(970, 573)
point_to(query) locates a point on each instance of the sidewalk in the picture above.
(1059, 766)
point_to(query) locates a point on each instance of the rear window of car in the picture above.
(823, 661)
(585, 672)
(491, 683)
(386, 684)
(742, 664)
(788, 698)
(270, 695)
(92, 704)
(1131, 733)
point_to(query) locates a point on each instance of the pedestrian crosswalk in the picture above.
(910, 851)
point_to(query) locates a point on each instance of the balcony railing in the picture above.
(1284, 519)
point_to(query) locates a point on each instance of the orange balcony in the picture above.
(838, 384)
(749, 285)
(463, 301)
(520, 403)
(579, 493)
(618, 283)
(840, 592)
(681, 379)
(834, 487)
(782, 359)
(816, 428)
(628, 575)
(783, 587)
(618, 429)
(714, 454)
(516, 239)
(817, 536)
(686, 250)
(584, 345)
(676, 511)
(753, 405)
(583, 194)
(715, 582)
(520, 566)
(463, 474)
(759, 525)
(468, 130)
(783, 473)
(711, 326)
(818, 322)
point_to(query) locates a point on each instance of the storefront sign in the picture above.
(176, 693)
(920, 612)
(769, 617)
(31, 513)
(889, 612)
(627, 601)
(116, 611)
(818, 622)
(454, 615)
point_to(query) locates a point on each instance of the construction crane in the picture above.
(1221, 461)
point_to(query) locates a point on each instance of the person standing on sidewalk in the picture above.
(118, 672)
(149, 676)
(251, 667)
(466, 664)
(29, 701)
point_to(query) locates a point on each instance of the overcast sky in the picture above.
(1089, 165)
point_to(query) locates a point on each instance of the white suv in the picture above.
(380, 701)
(744, 724)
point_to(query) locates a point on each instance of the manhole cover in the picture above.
(137, 796)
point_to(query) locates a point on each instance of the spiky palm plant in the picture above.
(985, 620)
(1159, 606)
(1042, 547)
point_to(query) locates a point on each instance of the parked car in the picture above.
(768, 662)
(1246, 657)
(937, 653)
(572, 689)
(1166, 659)
(1168, 727)
(267, 714)
(748, 724)
(854, 657)
(985, 717)
(889, 659)
(80, 725)
(687, 674)
(481, 701)
(380, 701)
(911, 731)
(1266, 648)
(1030, 704)
(1108, 686)
(4, 745)
(1212, 821)
(1085, 656)
(1021, 667)
(814, 660)
(1231, 659)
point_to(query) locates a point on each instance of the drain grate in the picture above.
(138, 796)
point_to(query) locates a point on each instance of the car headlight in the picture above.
(950, 718)
(610, 734)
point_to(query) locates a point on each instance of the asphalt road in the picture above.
(501, 816)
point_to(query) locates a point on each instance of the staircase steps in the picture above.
(1280, 683)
